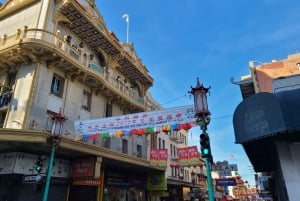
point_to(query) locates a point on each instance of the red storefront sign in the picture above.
(88, 182)
(83, 167)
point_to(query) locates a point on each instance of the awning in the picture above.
(257, 117)
(264, 118)
(266, 114)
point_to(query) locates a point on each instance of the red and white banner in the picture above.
(158, 118)
(159, 157)
(188, 156)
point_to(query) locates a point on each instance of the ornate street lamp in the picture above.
(202, 114)
(56, 131)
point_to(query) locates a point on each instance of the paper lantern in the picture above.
(150, 130)
(119, 133)
(141, 131)
(133, 132)
(105, 135)
(126, 133)
(166, 128)
(175, 127)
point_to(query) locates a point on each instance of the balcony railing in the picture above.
(74, 52)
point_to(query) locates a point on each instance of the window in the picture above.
(154, 141)
(174, 151)
(106, 143)
(159, 143)
(86, 100)
(11, 79)
(2, 118)
(124, 146)
(57, 85)
(108, 112)
(139, 150)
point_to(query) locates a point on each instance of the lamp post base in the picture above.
(209, 181)
(49, 172)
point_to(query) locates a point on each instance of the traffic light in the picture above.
(205, 145)
(39, 165)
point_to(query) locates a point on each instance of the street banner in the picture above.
(158, 157)
(183, 156)
(188, 156)
(130, 122)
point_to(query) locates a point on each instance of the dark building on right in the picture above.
(267, 125)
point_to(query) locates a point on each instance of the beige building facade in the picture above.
(58, 57)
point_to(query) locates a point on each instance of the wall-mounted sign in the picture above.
(221, 166)
(83, 167)
(88, 182)
(226, 182)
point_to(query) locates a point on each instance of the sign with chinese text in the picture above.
(188, 156)
(83, 167)
(157, 118)
(159, 157)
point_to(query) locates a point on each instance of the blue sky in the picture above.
(213, 40)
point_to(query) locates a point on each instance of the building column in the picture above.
(289, 164)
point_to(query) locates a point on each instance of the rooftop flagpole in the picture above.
(126, 16)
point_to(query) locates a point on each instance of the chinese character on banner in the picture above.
(193, 156)
(154, 157)
(183, 156)
(163, 157)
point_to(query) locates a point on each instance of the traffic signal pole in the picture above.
(207, 155)
(203, 119)
(49, 171)
(209, 180)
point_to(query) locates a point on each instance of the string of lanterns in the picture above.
(136, 132)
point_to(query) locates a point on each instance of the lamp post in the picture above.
(202, 114)
(56, 131)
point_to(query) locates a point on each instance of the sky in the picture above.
(181, 40)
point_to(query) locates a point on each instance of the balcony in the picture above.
(37, 45)
(174, 158)
(176, 136)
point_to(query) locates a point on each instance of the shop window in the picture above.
(124, 146)
(57, 85)
(86, 100)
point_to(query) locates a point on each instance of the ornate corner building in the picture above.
(58, 56)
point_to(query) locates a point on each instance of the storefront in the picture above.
(85, 186)
(20, 181)
(124, 185)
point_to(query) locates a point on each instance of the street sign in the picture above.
(34, 178)
(224, 173)
(222, 166)
(226, 182)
